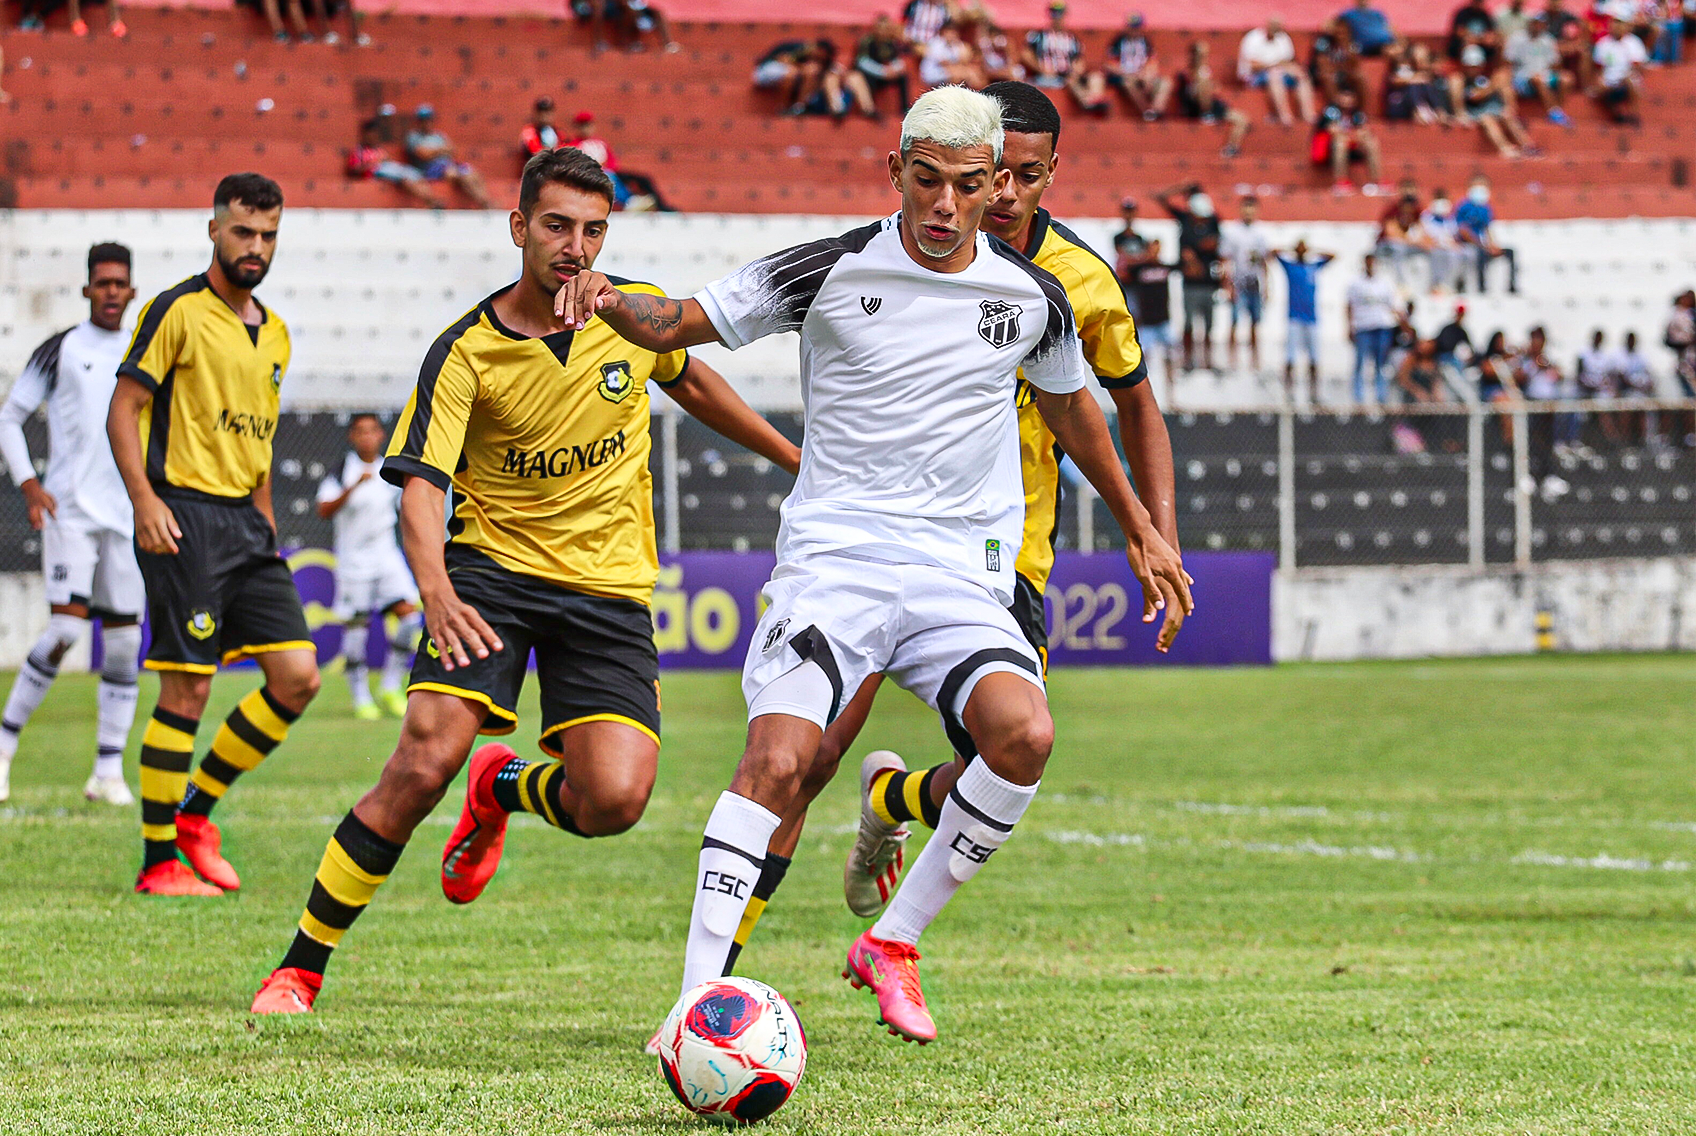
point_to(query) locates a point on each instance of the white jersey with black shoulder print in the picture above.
(365, 524)
(910, 451)
(74, 373)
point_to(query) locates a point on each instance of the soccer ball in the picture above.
(732, 1050)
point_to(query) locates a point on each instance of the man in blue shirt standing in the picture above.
(1302, 276)
(1474, 218)
(1369, 28)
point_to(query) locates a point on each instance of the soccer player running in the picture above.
(371, 574)
(539, 427)
(891, 796)
(896, 554)
(191, 423)
(87, 555)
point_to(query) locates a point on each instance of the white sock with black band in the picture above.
(977, 818)
(733, 853)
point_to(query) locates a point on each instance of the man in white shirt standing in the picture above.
(1619, 56)
(371, 574)
(1372, 320)
(1245, 249)
(1267, 59)
(897, 545)
(83, 512)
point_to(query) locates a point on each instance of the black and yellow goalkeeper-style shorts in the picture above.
(1027, 611)
(226, 594)
(595, 655)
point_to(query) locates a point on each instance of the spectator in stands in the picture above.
(1301, 276)
(1266, 59)
(114, 19)
(1413, 89)
(1671, 19)
(1680, 338)
(1342, 137)
(1512, 20)
(1535, 58)
(1454, 345)
(1332, 64)
(1368, 28)
(370, 160)
(1198, 266)
(1573, 37)
(840, 89)
(1486, 100)
(789, 67)
(431, 153)
(539, 133)
(5, 95)
(1619, 63)
(1148, 281)
(950, 59)
(1496, 381)
(1371, 306)
(881, 61)
(1638, 381)
(1420, 374)
(1539, 380)
(1472, 24)
(639, 18)
(922, 21)
(1053, 58)
(1130, 248)
(632, 192)
(1448, 258)
(995, 52)
(1402, 237)
(1199, 99)
(1134, 71)
(1473, 219)
(1245, 250)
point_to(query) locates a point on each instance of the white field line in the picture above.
(1603, 862)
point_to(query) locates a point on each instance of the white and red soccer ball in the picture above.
(732, 1050)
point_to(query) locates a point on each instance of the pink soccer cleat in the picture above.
(891, 970)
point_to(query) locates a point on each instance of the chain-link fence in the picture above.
(1499, 484)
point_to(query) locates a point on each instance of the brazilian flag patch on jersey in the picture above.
(616, 381)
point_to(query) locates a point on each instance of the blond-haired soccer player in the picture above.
(539, 427)
(191, 424)
(899, 541)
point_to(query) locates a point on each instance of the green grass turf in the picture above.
(1368, 898)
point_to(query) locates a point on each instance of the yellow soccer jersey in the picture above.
(1109, 337)
(543, 444)
(215, 383)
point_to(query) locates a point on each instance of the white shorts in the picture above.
(373, 583)
(936, 634)
(92, 566)
(1302, 339)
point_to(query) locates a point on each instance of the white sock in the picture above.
(353, 650)
(977, 818)
(401, 649)
(36, 676)
(732, 855)
(117, 697)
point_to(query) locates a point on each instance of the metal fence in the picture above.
(1464, 485)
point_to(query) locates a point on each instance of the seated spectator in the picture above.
(950, 59)
(922, 20)
(1134, 71)
(1512, 20)
(1420, 374)
(370, 161)
(1496, 380)
(115, 20)
(431, 153)
(1472, 23)
(1448, 259)
(1053, 58)
(1454, 345)
(995, 53)
(1573, 38)
(1266, 60)
(539, 133)
(1598, 371)
(1414, 91)
(632, 192)
(1199, 99)
(881, 60)
(822, 85)
(1368, 28)
(1473, 220)
(788, 67)
(1485, 102)
(1401, 238)
(1332, 64)
(1535, 58)
(1671, 19)
(1341, 138)
(630, 20)
(1619, 64)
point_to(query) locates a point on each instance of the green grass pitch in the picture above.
(1376, 898)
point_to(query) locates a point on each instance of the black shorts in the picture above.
(595, 655)
(1027, 612)
(226, 594)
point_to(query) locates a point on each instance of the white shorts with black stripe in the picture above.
(935, 633)
(86, 564)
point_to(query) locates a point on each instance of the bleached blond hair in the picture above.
(955, 117)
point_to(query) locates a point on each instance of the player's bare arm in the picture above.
(658, 323)
(156, 528)
(1148, 447)
(453, 625)
(1081, 429)
(708, 398)
(41, 503)
(262, 502)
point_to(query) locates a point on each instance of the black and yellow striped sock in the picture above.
(355, 863)
(523, 786)
(167, 751)
(257, 725)
(900, 797)
(770, 876)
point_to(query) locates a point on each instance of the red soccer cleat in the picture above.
(474, 847)
(199, 840)
(288, 990)
(172, 878)
(891, 969)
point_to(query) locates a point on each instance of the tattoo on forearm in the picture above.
(657, 313)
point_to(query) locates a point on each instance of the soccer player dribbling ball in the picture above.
(87, 532)
(539, 426)
(191, 425)
(898, 544)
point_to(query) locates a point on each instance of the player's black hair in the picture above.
(256, 191)
(108, 252)
(564, 166)
(1025, 109)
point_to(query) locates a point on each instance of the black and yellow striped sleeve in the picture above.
(160, 336)
(1105, 326)
(430, 434)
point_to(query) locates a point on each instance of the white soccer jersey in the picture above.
(365, 525)
(74, 373)
(911, 445)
